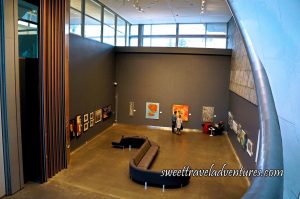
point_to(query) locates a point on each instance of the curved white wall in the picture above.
(274, 28)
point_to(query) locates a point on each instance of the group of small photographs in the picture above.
(242, 136)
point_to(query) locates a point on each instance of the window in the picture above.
(191, 29)
(216, 29)
(134, 30)
(127, 34)
(121, 30)
(75, 22)
(134, 41)
(191, 42)
(92, 28)
(216, 43)
(159, 42)
(109, 27)
(161, 29)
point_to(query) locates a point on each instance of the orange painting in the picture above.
(183, 110)
(152, 110)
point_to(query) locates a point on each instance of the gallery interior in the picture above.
(89, 89)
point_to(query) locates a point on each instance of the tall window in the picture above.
(121, 31)
(75, 17)
(109, 27)
(134, 33)
(92, 27)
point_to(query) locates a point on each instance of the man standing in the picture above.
(174, 118)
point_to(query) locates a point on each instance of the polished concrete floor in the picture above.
(99, 171)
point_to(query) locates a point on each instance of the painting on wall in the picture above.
(98, 115)
(183, 110)
(230, 119)
(106, 112)
(91, 123)
(86, 117)
(92, 116)
(131, 109)
(242, 138)
(250, 147)
(152, 110)
(208, 113)
(86, 126)
(234, 126)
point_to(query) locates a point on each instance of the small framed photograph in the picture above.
(98, 115)
(86, 117)
(250, 147)
(86, 126)
(92, 116)
(91, 123)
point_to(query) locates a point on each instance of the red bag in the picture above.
(206, 126)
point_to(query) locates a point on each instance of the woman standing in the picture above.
(178, 124)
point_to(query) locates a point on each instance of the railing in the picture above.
(270, 148)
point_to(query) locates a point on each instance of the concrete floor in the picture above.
(99, 171)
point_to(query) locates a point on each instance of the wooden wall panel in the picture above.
(54, 89)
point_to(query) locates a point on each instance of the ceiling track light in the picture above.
(203, 6)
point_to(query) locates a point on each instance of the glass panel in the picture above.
(147, 29)
(75, 22)
(108, 35)
(128, 33)
(92, 28)
(76, 4)
(93, 9)
(121, 40)
(216, 29)
(109, 18)
(134, 41)
(215, 42)
(121, 25)
(27, 11)
(191, 42)
(147, 42)
(166, 29)
(134, 30)
(121, 29)
(160, 42)
(28, 39)
(191, 29)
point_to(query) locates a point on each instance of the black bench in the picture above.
(139, 168)
(133, 141)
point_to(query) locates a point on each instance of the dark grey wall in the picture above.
(92, 73)
(171, 78)
(247, 115)
(242, 105)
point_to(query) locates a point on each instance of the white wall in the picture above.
(274, 28)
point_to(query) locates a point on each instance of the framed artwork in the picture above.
(106, 112)
(208, 114)
(86, 126)
(131, 109)
(98, 115)
(250, 147)
(234, 126)
(78, 125)
(91, 123)
(242, 138)
(152, 110)
(182, 110)
(230, 119)
(92, 116)
(86, 117)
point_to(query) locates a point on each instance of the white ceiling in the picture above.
(170, 11)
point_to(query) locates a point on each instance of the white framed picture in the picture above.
(86, 117)
(91, 123)
(86, 126)
(234, 126)
(250, 147)
(92, 116)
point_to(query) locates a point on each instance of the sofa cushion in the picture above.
(148, 157)
(141, 152)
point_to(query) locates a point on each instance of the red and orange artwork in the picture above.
(183, 110)
(152, 110)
